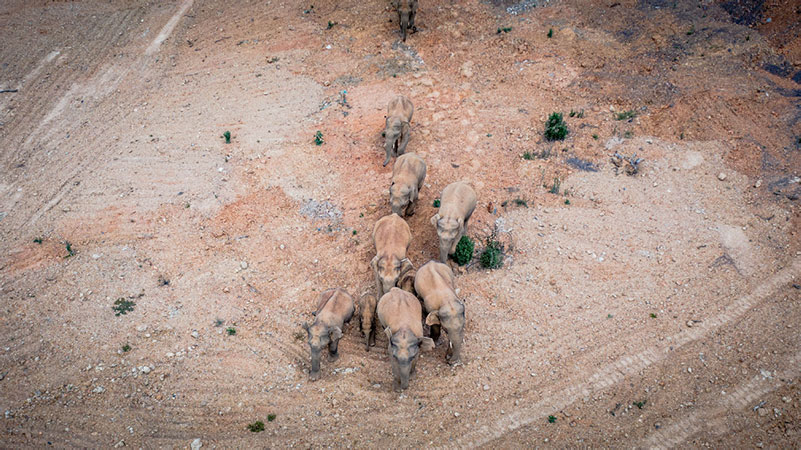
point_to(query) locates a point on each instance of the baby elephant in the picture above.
(334, 309)
(408, 175)
(399, 313)
(391, 237)
(435, 283)
(396, 133)
(407, 9)
(367, 319)
(456, 206)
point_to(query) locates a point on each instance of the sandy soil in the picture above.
(653, 310)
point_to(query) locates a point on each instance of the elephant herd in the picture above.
(399, 288)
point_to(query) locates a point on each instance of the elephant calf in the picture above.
(391, 237)
(399, 313)
(408, 175)
(407, 9)
(367, 319)
(334, 309)
(456, 206)
(435, 284)
(396, 133)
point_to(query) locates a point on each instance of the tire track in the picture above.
(742, 397)
(168, 28)
(99, 86)
(616, 372)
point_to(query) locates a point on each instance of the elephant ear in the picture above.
(460, 221)
(413, 193)
(374, 263)
(335, 333)
(432, 318)
(388, 332)
(426, 344)
(435, 219)
(306, 326)
(406, 266)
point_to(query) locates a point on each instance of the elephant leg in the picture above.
(436, 330)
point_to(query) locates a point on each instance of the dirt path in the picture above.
(654, 310)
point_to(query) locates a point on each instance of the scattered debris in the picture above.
(631, 164)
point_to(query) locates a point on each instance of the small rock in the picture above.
(456, 414)
(281, 246)
(196, 444)
(758, 183)
(195, 334)
(119, 444)
(99, 390)
(721, 176)
(141, 328)
(486, 387)
(144, 369)
(762, 412)
(467, 69)
(690, 323)
(243, 265)
(787, 399)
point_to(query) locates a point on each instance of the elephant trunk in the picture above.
(404, 23)
(444, 249)
(314, 373)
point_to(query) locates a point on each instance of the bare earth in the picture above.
(659, 309)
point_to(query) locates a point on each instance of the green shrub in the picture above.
(270, 417)
(550, 32)
(256, 426)
(318, 138)
(626, 115)
(122, 306)
(227, 136)
(492, 256)
(555, 127)
(436, 203)
(231, 331)
(464, 251)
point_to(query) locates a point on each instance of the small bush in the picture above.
(555, 127)
(640, 404)
(318, 138)
(557, 183)
(330, 25)
(70, 251)
(577, 114)
(38, 240)
(218, 322)
(464, 251)
(595, 136)
(550, 33)
(231, 331)
(567, 201)
(626, 115)
(492, 256)
(504, 30)
(256, 426)
(551, 419)
(653, 315)
(521, 202)
(227, 137)
(126, 348)
(122, 306)
(528, 156)
(436, 203)
(270, 417)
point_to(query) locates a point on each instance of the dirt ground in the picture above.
(653, 310)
